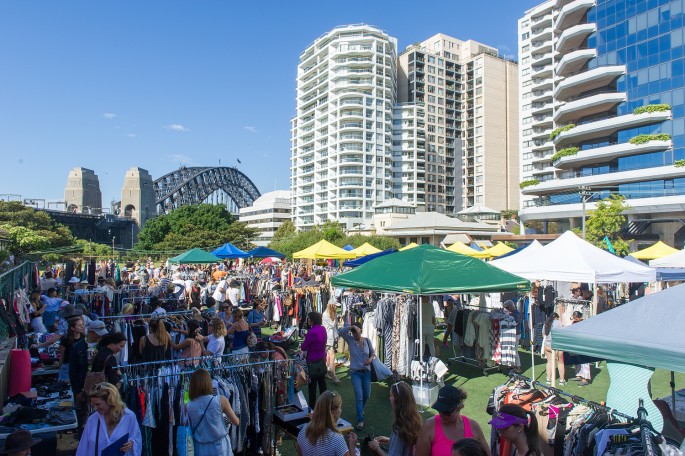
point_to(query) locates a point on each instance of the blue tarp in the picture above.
(348, 247)
(661, 273)
(263, 252)
(359, 261)
(229, 250)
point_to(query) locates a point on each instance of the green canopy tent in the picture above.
(427, 270)
(194, 256)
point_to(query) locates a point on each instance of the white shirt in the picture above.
(220, 296)
(127, 425)
(216, 345)
(234, 296)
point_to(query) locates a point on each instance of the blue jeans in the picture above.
(361, 382)
(63, 373)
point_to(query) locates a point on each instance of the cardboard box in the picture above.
(289, 412)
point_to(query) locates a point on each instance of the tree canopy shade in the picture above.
(195, 256)
(324, 250)
(264, 252)
(229, 250)
(429, 270)
(647, 332)
(29, 230)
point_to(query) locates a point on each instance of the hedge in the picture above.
(652, 108)
(557, 131)
(528, 183)
(642, 139)
(569, 151)
(679, 163)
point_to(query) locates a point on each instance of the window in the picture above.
(527, 120)
(525, 36)
(525, 48)
(525, 72)
(527, 132)
(527, 168)
(525, 60)
(525, 107)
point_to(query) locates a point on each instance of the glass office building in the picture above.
(618, 90)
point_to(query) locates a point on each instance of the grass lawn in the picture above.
(378, 414)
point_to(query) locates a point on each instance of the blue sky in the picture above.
(110, 85)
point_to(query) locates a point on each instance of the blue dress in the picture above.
(210, 436)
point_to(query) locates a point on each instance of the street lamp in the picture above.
(113, 238)
(585, 196)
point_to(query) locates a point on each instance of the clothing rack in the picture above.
(224, 368)
(573, 397)
(177, 313)
(173, 362)
(472, 362)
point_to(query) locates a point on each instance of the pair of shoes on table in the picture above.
(360, 426)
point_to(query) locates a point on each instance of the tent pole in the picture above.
(531, 334)
(421, 342)
(673, 392)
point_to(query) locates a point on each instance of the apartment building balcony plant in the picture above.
(572, 62)
(587, 80)
(590, 104)
(573, 37)
(644, 144)
(605, 127)
(572, 13)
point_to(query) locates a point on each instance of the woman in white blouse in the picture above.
(110, 422)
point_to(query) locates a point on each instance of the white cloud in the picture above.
(131, 135)
(109, 115)
(177, 127)
(181, 159)
(251, 129)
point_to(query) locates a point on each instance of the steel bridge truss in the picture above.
(193, 185)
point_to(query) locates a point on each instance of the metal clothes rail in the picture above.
(178, 313)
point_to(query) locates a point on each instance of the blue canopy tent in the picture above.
(661, 273)
(263, 252)
(348, 247)
(361, 260)
(229, 250)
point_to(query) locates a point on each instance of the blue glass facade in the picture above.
(647, 36)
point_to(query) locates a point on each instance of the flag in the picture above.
(609, 246)
(238, 160)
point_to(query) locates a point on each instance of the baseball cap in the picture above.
(449, 398)
(98, 327)
(504, 420)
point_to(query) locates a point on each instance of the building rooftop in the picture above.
(439, 222)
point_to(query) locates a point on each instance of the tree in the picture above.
(202, 226)
(380, 242)
(30, 230)
(605, 222)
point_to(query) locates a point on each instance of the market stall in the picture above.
(675, 260)
(229, 250)
(324, 250)
(658, 250)
(635, 339)
(264, 252)
(365, 249)
(195, 256)
(460, 247)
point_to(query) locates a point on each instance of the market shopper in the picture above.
(441, 432)
(80, 359)
(37, 311)
(19, 443)
(76, 331)
(551, 355)
(110, 422)
(406, 425)
(469, 447)
(321, 435)
(155, 346)
(361, 356)
(105, 359)
(330, 323)
(205, 409)
(240, 329)
(256, 318)
(315, 346)
(520, 427)
(583, 373)
(190, 347)
(216, 342)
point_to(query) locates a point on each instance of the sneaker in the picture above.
(562, 382)
(548, 381)
(360, 426)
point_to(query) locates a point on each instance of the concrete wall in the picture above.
(138, 199)
(82, 192)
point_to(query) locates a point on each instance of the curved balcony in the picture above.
(605, 127)
(542, 84)
(541, 46)
(587, 80)
(541, 146)
(572, 13)
(573, 37)
(600, 154)
(541, 71)
(542, 133)
(587, 106)
(574, 61)
(541, 95)
(620, 177)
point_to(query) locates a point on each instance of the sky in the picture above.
(108, 85)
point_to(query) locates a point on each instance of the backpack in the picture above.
(95, 378)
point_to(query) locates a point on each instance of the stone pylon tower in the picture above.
(138, 196)
(82, 193)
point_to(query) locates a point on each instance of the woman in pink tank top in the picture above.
(449, 426)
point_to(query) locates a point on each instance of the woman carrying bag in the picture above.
(315, 346)
(361, 357)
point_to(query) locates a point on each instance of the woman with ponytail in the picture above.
(520, 427)
(155, 347)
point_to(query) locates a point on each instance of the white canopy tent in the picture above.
(675, 260)
(571, 259)
(517, 257)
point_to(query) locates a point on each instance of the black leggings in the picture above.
(312, 388)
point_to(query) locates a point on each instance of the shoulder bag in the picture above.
(94, 378)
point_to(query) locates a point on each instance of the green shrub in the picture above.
(569, 151)
(641, 139)
(679, 163)
(557, 131)
(528, 183)
(652, 108)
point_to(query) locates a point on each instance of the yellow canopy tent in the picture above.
(365, 249)
(324, 250)
(460, 247)
(409, 246)
(497, 250)
(658, 250)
